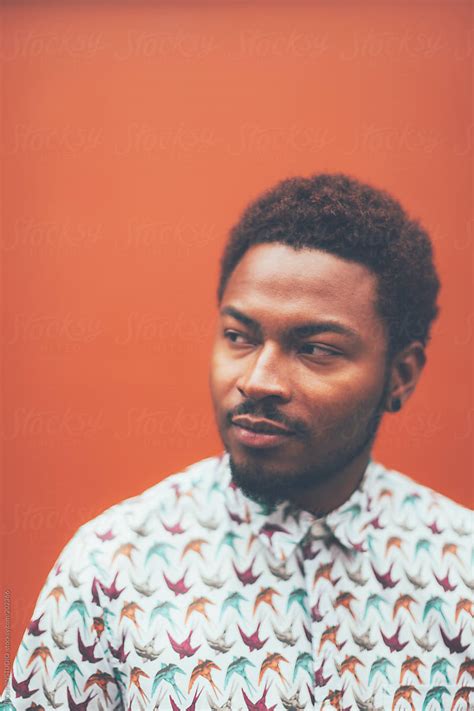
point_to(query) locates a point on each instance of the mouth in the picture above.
(260, 425)
(259, 433)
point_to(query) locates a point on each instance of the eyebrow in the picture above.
(305, 330)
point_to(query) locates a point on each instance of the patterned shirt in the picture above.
(192, 596)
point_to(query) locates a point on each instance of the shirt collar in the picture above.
(284, 527)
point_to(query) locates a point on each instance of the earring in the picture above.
(395, 405)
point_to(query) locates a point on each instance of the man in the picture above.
(293, 571)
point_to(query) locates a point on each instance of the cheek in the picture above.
(337, 396)
(221, 375)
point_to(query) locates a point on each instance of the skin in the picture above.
(329, 388)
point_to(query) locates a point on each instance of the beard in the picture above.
(270, 487)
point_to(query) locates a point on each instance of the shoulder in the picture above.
(120, 529)
(407, 492)
(412, 504)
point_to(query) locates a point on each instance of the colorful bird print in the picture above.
(135, 674)
(126, 550)
(440, 666)
(179, 587)
(233, 600)
(319, 678)
(260, 704)
(345, 600)
(364, 641)
(198, 605)
(374, 601)
(192, 596)
(330, 635)
(435, 603)
(87, 652)
(34, 627)
(424, 641)
(265, 596)
(385, 579)
(324, 572)
(42, 652)
(444, 582)
(466, 667)
(246, 577)
(57, 593)
(204, 669)
(272, 662)
(422, 545)
(129, 611)
(303, 661)
(403, 602)
(463, 694)
(451, 548)
(175, 529)
(253, 641)
(98, 626)
(219, 644)
(411, 665)
(229, 540)
(416, 580)
(148, 651)
(82, 705)
(286, 636)
(167, 674)
(101, 679)
(164, 610)
(454, 643)
(466, 605)
(350, 665)
(194, 546)
(184, 648)
(357, 577)
(22, 688)
(192, 705)
(119, 652)
(435, 694)
(161, 550)
(299, 596)
(111, 591)
(239, 666)
(79, 607)
(269, 530)
(107, 536)
(393, 642)
(50, 695)
(405, 693)
(380, 667)
(71, 668)
(393, 542)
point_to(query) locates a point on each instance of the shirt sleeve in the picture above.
(64, 659)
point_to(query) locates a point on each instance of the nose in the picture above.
(265, 376)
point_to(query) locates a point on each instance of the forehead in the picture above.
(278, 282)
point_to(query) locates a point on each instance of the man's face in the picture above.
(298, 371)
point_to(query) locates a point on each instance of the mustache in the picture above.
(269, 412)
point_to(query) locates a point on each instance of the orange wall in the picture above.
(132, 137)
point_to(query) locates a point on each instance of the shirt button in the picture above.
(319, 529)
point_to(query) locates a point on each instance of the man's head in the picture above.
(327, 293)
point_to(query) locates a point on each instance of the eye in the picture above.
(315, 349)
(235, 336)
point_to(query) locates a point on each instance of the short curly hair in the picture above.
(341, 215)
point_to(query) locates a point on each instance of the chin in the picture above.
(266, 484)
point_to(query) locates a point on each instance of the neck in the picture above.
(330, 493)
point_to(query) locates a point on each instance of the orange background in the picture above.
(133, 136)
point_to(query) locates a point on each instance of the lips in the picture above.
(260, 425)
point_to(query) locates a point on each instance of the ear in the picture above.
(405, 369)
